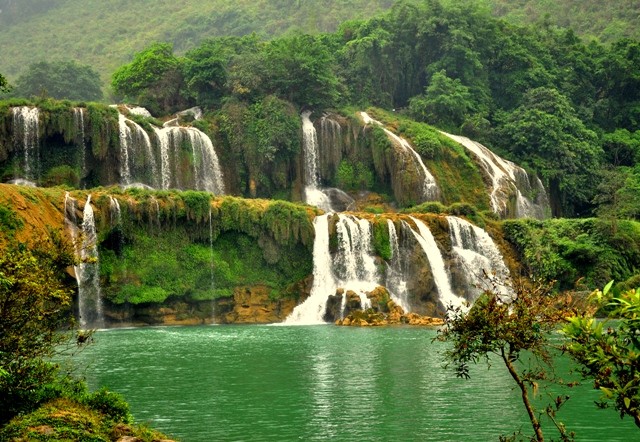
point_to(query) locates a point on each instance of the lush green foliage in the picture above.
(153, 79)
(517, 331)
(34, 309)
(60, 80)
(4, 85)
(609, 351)
(587, 251)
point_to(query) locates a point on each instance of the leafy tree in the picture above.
(517, 331)
(446, 102)
(609, 351)
(545, 133)
(618, 194)
(60, 80)
(4, 84)
(299, 69)
(34, 309)
(153, 79)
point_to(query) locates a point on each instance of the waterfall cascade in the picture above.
(88, 270)
(324, 282)
(160, 167)
(430, 190)
(508, 179)
(313, 195)
(351, 268)
(438, 269)
(395, 278)
(78, 121)
(479, 257)
(26, 128)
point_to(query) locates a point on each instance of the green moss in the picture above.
(9, 220)
(381, 241)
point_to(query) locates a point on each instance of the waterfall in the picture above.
(163, 135)
(324, 283)
(312, 193)
(351, 268)
(508, 179)
(207, 173)
(136, 153)
(115, 213)
(438, 269)
(395, 281)
(478, 255)
(206, 165)
(430, 190)
(88, 272)
(78, 122)
(26, 132)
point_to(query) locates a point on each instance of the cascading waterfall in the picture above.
(395, 281)
(355, 267)
(312, 193)
(478, 255)
(207, 174)
(438, 269)
(430, 190)
(164, 137)
(78, 121)
(507, 179)
(115, 212)
(351, 268)
(26, 128)
(206, 165)
(135, 143)
(88, 273)
(324, 282)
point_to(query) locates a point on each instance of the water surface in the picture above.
(261, 383)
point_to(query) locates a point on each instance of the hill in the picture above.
(107, 34)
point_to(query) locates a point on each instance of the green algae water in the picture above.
(315, 383)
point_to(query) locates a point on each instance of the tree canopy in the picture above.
(60, 80)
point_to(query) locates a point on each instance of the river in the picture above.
(313, 383)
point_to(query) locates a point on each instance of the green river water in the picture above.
(270, 383)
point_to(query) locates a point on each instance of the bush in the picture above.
(110, 404)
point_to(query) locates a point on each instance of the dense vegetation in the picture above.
(564, 109)
(105, 36)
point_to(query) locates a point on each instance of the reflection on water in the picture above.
(254, 383)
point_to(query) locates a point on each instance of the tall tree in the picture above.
(545, 134)
(153, 79)
(517, 330)
(60, 80)
(4, 84)
(300, 70)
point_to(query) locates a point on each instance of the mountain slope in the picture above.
(106, 34)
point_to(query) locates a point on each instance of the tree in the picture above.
(446, 102)
(545, 134)
(299, 69)
(4, 84)
(516, 329)
(60, 80)
(609, 351)
(153, 79)
(34, 309)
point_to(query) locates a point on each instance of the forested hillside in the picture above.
(107, 34)
(563, 109)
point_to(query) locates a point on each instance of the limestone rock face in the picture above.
(252, 305)
(394, 316)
